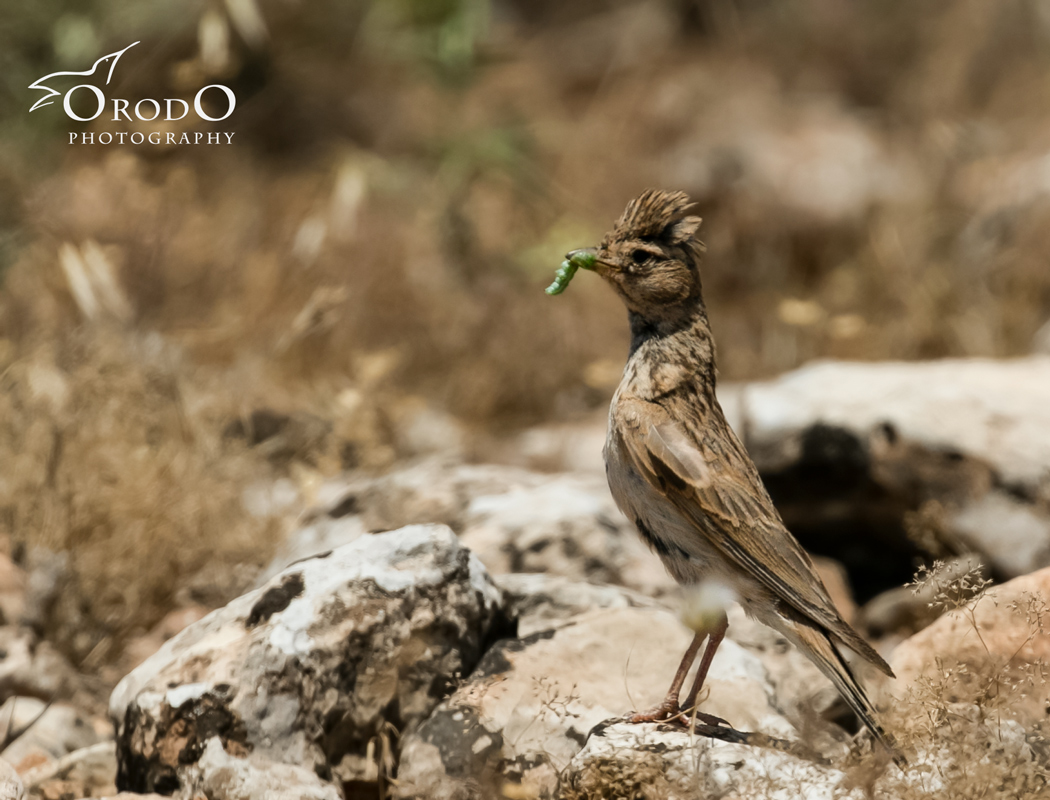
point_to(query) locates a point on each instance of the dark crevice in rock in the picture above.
(361, 790)
(849, 499)
(343, 735)
(350, 504)
(495, 660)
(276, 599)
(577, 736)
(831, 502)
(172, 738)
(601, 727)
(1022, 493)
(883, 504)
(504, 625)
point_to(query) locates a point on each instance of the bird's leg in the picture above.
(716, 637)
(669, 707)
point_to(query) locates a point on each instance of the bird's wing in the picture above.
(713, 483)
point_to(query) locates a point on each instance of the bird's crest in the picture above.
(658, 215)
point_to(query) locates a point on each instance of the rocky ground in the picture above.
(476, 630)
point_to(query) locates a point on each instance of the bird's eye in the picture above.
(640, 256)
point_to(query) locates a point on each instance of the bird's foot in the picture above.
(668, 709)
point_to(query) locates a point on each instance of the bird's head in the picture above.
(652, 257)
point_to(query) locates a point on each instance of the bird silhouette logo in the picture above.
(48, 98)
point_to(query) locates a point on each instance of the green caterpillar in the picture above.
(575, 260)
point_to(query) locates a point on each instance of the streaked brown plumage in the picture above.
(679, 472)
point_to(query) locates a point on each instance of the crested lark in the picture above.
(679, 472)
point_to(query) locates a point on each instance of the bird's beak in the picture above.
(603, 268)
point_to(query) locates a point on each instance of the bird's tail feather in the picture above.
(819, 647)
(849, 637)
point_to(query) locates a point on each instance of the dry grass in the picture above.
(110, 456)
(617, 780)
(978, 730)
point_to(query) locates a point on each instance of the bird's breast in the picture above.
(686, 552)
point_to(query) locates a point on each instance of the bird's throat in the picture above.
(678, 342)
(684, 321)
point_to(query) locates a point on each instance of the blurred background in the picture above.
(358, 279)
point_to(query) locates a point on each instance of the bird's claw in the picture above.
(706, 719)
